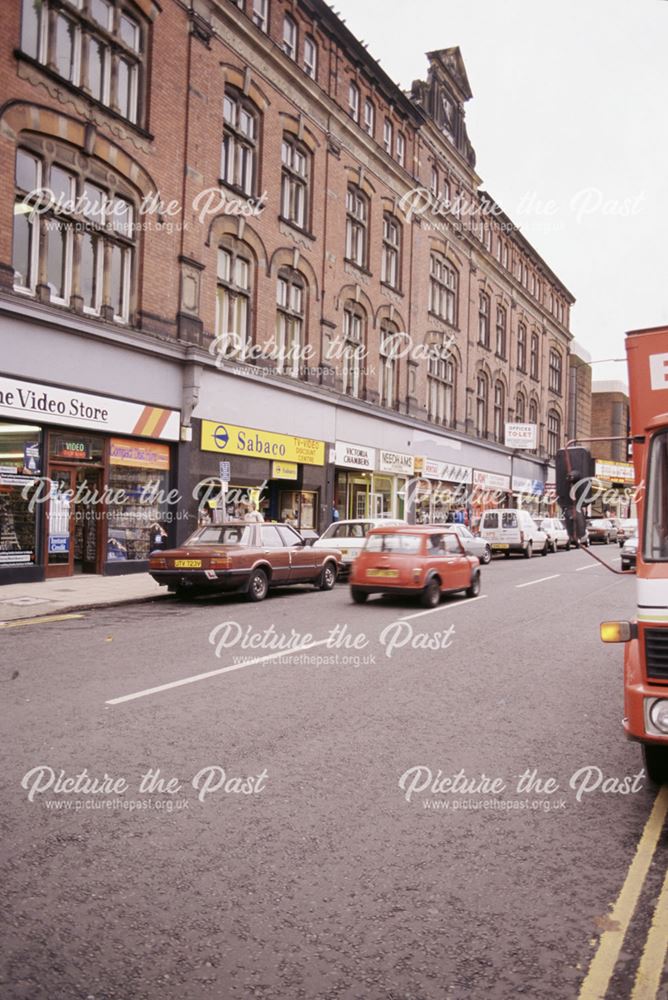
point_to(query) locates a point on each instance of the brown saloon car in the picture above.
(243, 558)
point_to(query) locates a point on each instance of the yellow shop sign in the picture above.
(228, 439)
(284, 470)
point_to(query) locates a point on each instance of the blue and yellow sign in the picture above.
(228, 439)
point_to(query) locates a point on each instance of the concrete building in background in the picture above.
(260, 259)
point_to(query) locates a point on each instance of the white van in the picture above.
(513, 530)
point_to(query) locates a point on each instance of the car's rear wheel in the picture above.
(359, 596)
(474, 589)
(656, 763)
(554, 545)
(327, 578)
(546, 548)
(486, 556)
(626, 565)
(528, 552)
(507, 554)
(431, 594)
(258, 585)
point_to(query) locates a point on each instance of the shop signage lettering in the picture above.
(138, 454)
(355, 456)
(621, 471)
(446, 472)
(491, 481)
(65, 448)
(394, 461)
(232, 440)
(520, 436)
(531, 487)
(53, 405)
(284, 470)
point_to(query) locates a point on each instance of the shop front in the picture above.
(490, 489)
(441, 490)
(74, 499)
(280, 476)
(370, 482)
(529, 494)
(614, 492)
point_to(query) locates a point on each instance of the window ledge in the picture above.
(84, 95)
(305, 233)
(358, 267)
(387, 287)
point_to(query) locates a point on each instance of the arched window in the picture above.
(289, 36)
(533, 416)
(354, 348)
(295, 181)
(481, 404)
(99, 47)
(499, 410)
(501, 321)
(555, 371)
(520, 408)
(290, 321)
(390, 271)
(94, 222)
(521, 347)
(310, 57)
(483, 320)
(553, 433)
(354, 101)
(443, 285)
(357, 226)
(441, 390)
(388, 377)
(239, 159)
(233, 300)
(535, 357)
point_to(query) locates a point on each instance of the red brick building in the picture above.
(257, 250)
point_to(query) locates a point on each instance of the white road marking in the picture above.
(518, 586)
(593, 566)
(214, 673)
(443, 607)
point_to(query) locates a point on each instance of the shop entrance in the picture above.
(73, 521)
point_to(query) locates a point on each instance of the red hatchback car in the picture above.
(425, 561)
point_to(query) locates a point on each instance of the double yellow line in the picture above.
(648, 975)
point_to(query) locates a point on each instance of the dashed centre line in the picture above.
(518, 586)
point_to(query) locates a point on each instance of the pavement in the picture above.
(74, 593)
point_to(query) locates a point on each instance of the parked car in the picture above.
(601, 529)
(629, 552)
(244, 558)
(348, 537)
(415, 560)
(473, 545)
(627, 528)
(555, 529)
(513, 530)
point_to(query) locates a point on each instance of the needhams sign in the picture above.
(228, 439)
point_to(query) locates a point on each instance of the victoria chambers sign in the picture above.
(34, 402)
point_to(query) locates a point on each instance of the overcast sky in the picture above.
(569, 107)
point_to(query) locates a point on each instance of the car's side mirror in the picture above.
(575, 469)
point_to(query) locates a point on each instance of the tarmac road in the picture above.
(331, 859)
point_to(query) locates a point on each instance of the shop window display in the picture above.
(20, 464)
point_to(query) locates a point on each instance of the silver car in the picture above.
(473, 545)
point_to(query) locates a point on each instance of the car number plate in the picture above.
(188, 563)
(383, 572)
(500, 545)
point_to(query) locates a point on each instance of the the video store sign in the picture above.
(33, 402)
